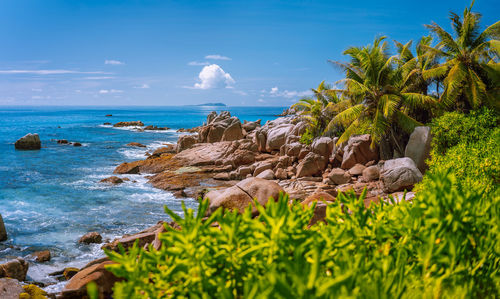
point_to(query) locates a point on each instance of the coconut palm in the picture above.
(376, 99)
(412, 68)
(471, 69)
(315, 110)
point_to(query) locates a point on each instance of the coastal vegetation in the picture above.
(441, 244)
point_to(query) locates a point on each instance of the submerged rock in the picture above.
(77, 144)
(137, 123)
(62, 141)
(136, 144)
(42, 256)
(92, 237)
(114, 180)
(16, 269)
(29, 142)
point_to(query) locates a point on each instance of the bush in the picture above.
(444, 244)
(307, 137)
(469, 146)
(453, 128)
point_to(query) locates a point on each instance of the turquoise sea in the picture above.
(51, 197)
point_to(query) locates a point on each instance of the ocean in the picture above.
(50, 197)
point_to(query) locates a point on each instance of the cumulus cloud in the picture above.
(143, 86)
(197, 63)
(105, 91)
(217, 57)
(275, 92)
(113, 62)
(46, 72)
(213, 76)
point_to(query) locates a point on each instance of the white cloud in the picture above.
(113, 62)
(105, 91)
(197, 63)
(217, 57)
(275, 92)
(143, 86)
(36, 89)
(213, 76)
(261, 101)
(47, 72)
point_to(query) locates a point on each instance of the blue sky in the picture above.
(190, 52)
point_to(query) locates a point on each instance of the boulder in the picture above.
(16, 268)
(339, 176)
(42, 256)
(357, 170)
(77, 144)
(233, 131)
(260, 138)
(97, 273)
(292, 149)
(312, 164)
(92, 237)
(281, 174)
(371, 173)
(136, 144)
(419, 147)
(318, 196)
(243, 171)
(127, 168)
(167, 149)
(144, 238)
(28, 142)
(249, 126)
(300, 128)
(239, 196)
(137, 123)
(186, 141)
(267, 174)
(3, 231)
(322, 146)
(10, 288)
(399, 174)
(358, 150)
(261, 166)
(276, 136)
(62, 141)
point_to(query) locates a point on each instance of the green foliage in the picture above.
(469, 146)
(443, 244)
(454, 127)
(307, 137)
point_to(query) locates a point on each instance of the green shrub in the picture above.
(307, 137)
(454, 127)
(469, 146)
(443, 244)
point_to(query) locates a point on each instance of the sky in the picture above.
(161, 53)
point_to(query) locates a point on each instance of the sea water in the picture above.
(50, 197)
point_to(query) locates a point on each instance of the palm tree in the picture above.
(471, 71)
(376, 99)
(315, 111)
(412, 68)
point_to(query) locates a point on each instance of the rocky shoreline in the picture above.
(231, 163)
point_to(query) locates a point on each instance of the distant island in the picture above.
(210, 104)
